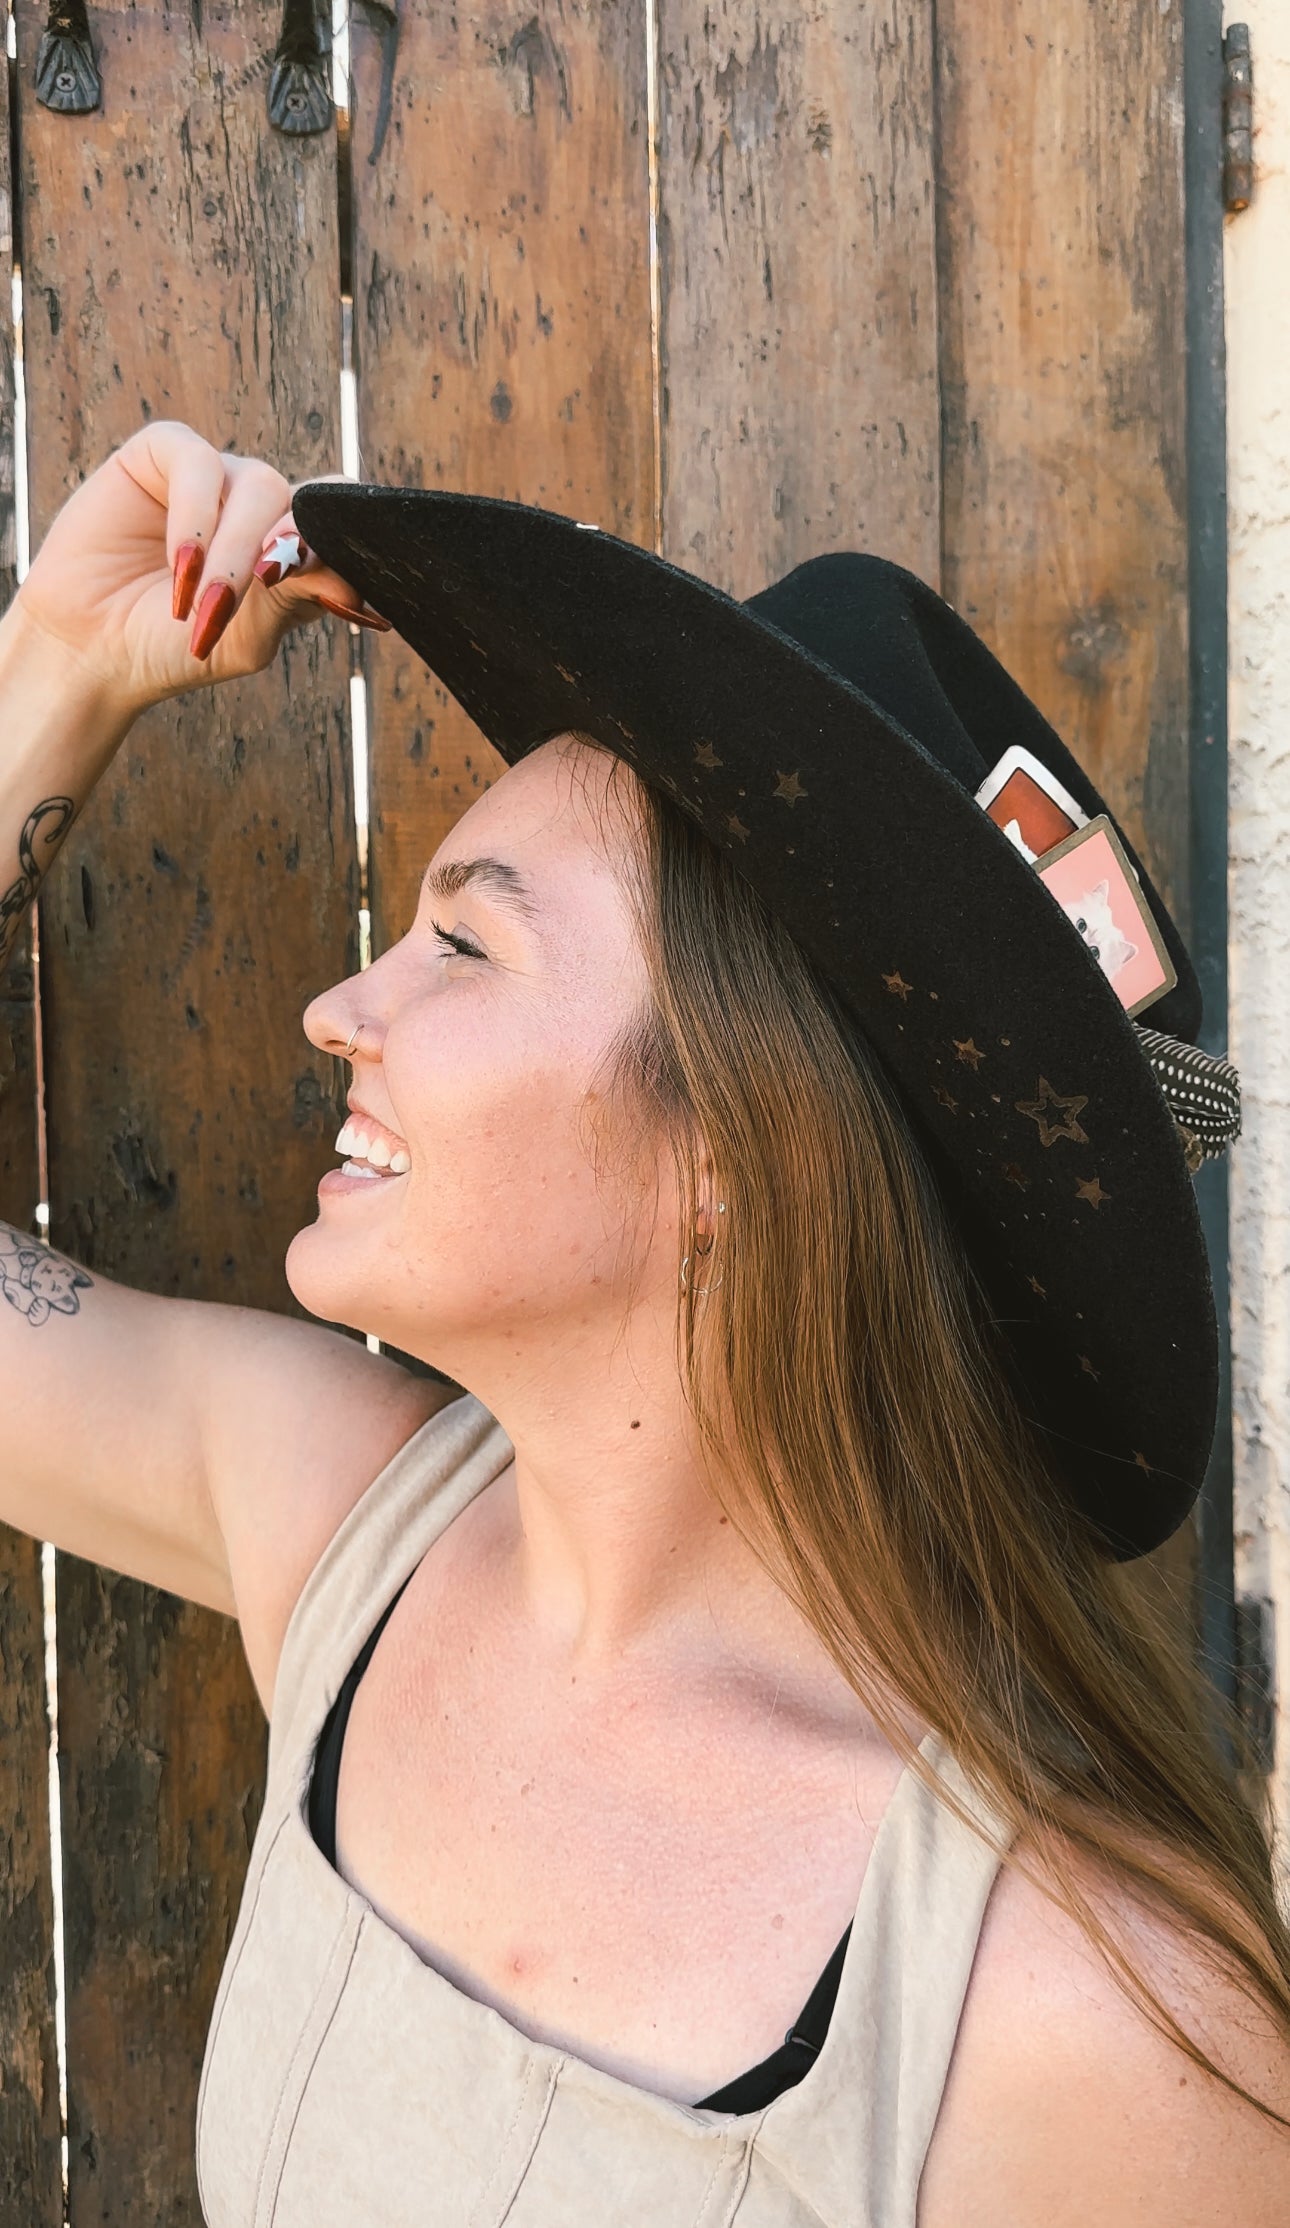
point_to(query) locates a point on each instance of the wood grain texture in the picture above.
(501, 331)
(31, 2188)
(1062, 376)
(797, 279)
(180, 260)
(1063, 381)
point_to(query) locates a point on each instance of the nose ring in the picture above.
(352, 1042)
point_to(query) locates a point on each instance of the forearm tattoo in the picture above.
(50, 822)
(35, 1280)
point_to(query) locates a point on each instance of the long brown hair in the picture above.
(866, 1431)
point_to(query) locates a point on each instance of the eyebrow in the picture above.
(504, 881)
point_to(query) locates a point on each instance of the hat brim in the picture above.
(959, 966)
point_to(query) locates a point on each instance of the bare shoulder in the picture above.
(1065, 2105)
(299, 1421)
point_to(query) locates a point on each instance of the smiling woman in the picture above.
(717, 1766)
(575, 1098)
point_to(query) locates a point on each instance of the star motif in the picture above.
(1015, 1175)
(897, 984)
(967, 1051)
(1036, 1286)
(285, 554)
(736, 826)
(939, 1091)
(705, 755)
(1142, 1462)
(1086, 1364)
(1048, 1131)
(1092, 1191)
(790, 788)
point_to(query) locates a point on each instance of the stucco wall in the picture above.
(1258, 414)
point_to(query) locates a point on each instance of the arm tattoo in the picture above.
(15, 901)
(36, 1280)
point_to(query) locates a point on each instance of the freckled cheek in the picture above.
(494, 1116)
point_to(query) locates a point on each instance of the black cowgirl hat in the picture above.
(829, 736)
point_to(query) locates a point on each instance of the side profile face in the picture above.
(499, 1236)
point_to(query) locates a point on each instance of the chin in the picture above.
(309, 1281)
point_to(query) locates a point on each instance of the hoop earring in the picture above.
(701, 1290)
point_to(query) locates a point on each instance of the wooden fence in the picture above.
(895, 274)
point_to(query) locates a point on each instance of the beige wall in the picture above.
(1258, 407)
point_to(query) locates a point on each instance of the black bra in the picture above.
(748, 2092)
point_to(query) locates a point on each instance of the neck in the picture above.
(607, 1535)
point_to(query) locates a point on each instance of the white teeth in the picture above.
(373, 1153)
(357, 1168)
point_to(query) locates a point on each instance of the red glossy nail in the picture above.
(359, 618)
(189, 558)
(213, 615)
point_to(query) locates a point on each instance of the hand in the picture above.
(105, 583)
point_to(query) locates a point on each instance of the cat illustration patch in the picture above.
(1093, 881)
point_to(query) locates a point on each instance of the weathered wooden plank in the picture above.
(1063, 365)
(1062, 355)
(501, 330)
(797, 279)
(180, 259)
(31, 2187)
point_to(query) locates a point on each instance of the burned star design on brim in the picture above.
(829, 735)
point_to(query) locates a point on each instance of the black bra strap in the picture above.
(325, 1776)
(788, 2065)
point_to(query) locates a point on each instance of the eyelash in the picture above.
(457, 943)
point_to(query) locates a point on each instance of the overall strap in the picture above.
(854, 2136)
(427, 1482)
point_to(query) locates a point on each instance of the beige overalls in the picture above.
(347, 2083)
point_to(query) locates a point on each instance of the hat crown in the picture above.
(904, 648)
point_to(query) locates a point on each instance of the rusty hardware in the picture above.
(67, 74)
(1238, 118)
(383, 15)
(300, 80)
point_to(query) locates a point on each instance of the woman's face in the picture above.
(479, 1067)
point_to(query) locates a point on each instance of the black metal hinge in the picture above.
(1238, 118)
(67, 74)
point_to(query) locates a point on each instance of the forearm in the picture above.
(58, 731)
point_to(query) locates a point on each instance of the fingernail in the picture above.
(286, 554)
(189, 558)
(358, 618)
(213, 615)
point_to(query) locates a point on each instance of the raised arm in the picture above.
(114, 1441)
